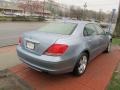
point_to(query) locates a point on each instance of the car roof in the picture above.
(77, 22)
(80, 27)
(74, 21)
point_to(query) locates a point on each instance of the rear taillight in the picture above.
(56, 49)
(20, 41)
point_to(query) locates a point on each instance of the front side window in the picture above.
(89, 30)
(100, 30)
(64, 28)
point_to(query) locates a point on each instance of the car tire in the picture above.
(108, 47)
(81, 65)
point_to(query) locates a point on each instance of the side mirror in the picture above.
(109, 33)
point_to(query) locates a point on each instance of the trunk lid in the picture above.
(42, 41)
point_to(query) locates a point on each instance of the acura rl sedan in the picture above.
(63, 46)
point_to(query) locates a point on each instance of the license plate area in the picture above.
(30, 45)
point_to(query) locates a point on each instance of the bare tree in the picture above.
(31, 6)
(117, 29)
(22, 6)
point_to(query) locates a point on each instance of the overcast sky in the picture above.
(105, 5)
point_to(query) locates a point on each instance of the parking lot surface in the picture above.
(10, 31)
(96, 77)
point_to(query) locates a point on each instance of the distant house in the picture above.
(12, 8)
(8, 8)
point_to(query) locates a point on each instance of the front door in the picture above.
(93, 40)
(103, 40)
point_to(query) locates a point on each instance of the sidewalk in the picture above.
(8, 57)
(97, 76)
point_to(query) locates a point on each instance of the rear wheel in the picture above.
(81, 65)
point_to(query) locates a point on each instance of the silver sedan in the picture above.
(63, 46)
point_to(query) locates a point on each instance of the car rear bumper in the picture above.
(50, 64)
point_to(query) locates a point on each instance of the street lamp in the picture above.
(85, 6)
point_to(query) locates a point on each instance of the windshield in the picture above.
(59, 28)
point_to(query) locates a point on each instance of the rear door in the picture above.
(103, 40)
(92, 39)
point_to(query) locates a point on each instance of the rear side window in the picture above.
(59, 28)
(89, 30)
(100, 30)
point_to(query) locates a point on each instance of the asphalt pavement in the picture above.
(10, 31)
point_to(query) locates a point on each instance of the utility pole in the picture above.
(30, 6)
(100, 13)
(44, 9)
(113, 14)
(84, 13)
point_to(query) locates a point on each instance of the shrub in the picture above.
(5, 18)
(20, 18)
(27, 18)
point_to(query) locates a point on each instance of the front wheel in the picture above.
(81, 65)
(108, 50)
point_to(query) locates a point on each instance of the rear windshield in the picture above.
(59, 28)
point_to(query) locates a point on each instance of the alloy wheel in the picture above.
(82, 64)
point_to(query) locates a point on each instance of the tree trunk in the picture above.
(117, 28)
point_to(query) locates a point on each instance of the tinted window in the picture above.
(100, 30)
(59, 28)
(89, 30)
